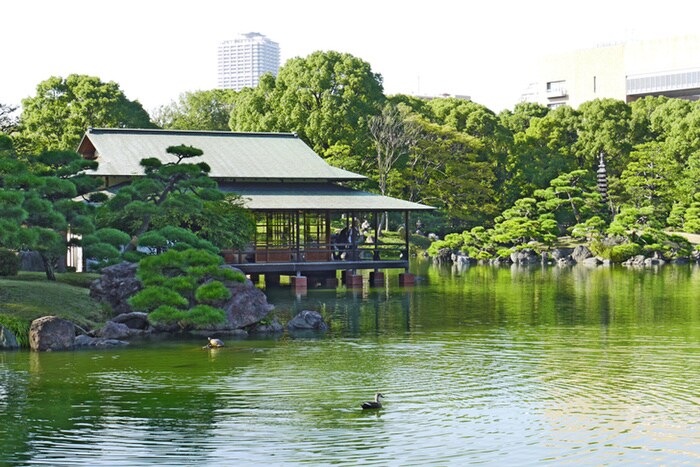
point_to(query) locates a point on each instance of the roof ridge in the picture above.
(159, 131)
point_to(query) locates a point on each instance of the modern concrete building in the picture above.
(627, 71)
(242, 60)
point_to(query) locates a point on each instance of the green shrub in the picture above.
(212, 292)
(10, 263)
(420, 241)
(153, 297)
(18, 327)
(676, 246)
(436, 246)
(504, 252)
(180, 286)
(621, 253)
(454, 241)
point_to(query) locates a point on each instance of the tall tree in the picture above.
(38, 203)
(255, 109)
(8, 120)
(481, 123)
(177, 193)
(605, 127)
(448, 169)
(326, 97)
(519, 119)
(648, 178)
(393, 132)
(200, 110)
(542, 152)
(63, 108)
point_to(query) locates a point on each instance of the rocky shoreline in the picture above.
(247, 312)
(559, 256)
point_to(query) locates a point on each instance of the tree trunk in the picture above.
(48, 267)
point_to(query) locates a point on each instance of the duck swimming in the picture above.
(215, 343)
(375, 404)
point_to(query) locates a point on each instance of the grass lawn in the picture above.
(28, 296)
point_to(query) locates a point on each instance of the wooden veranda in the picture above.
(307, 242)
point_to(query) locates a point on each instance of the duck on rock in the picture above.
(375, 404)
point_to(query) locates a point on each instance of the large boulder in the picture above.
(444, 256)
(580, 253)
(247, 305)
(462, 259)
(112, 330)
(116, 285)
(559, 253)
(636, 261)
(274, 327)
(525, 256)
(566, 261)
(134, 320)
(7, 339)
(84, 340)
(51, 333)
(592, 261)
(307, 320)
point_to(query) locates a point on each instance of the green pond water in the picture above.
(484, 365)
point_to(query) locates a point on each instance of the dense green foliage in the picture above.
(18, 327)
(525, 177)
(9, 262)
(39, 202)
(326, 98)
(176, 205)
(479, 168)
(63, 108)
(184, 288)
(201, 110)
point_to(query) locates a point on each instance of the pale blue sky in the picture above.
(157, 49)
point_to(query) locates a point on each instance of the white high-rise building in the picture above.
(241, 61)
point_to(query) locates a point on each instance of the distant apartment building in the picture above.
(660, 67)
(445, 95)
(244, 59)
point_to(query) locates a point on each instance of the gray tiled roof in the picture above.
(315, 196)
(236, 156)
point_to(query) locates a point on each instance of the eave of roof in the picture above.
(315, 197)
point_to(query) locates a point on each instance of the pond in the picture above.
(482, 365)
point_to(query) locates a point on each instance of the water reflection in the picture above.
(479, 365)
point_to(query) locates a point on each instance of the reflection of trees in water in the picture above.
(55, 402)
(574, 295)
(353, 312)
(13, 405)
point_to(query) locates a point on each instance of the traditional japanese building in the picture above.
(309, 221)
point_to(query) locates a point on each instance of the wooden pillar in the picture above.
(407, 279)
(299, 284)
(297, 237)
(375, 256)
(351, 279)
(376, 278)
(407, 233)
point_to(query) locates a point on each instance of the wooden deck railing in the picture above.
(329, 252)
